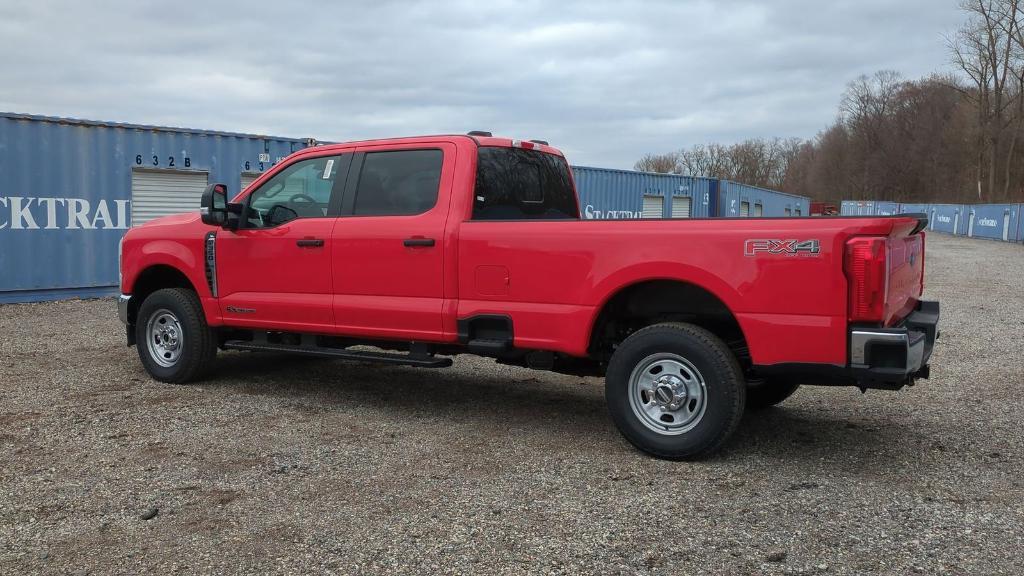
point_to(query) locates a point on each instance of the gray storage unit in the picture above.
(653, 207)
(157, 193)
(247, 178)
(681, 206)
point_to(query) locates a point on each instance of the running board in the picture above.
(419, 360)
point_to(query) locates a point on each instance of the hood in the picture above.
(174, 219)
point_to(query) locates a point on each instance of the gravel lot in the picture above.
(298, 466)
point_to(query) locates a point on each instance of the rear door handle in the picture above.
(418, 242)
(309, 243)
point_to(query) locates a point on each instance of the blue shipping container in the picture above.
(914, 209)
(66, 193)
(948, 218)
(857, 208)
(994, 221)
(886, 208)
(612, 194)
(738, 200)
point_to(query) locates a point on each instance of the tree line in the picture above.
(945, 138)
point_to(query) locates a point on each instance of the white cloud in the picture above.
(605, 81)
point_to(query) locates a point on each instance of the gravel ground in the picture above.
(298, 466)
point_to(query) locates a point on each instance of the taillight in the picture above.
(867, 276)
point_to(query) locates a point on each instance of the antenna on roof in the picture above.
(483, 133)
(543, 142)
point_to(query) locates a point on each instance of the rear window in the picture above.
(519, 184)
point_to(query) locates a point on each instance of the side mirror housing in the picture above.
(215, 208)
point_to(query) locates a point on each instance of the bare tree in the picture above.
(662, 163)
(984, 50)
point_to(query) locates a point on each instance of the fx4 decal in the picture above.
(781, 247)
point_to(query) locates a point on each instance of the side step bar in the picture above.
(419, 360)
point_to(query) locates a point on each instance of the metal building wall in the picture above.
(611, 194)
(774, 204)
(65, 194)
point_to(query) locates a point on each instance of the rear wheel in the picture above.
(768, 392)
(174, 342)
(675, 390)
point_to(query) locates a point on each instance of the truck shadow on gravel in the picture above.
(536, 406)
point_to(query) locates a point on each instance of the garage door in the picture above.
(744, 209)
(157, 193)
(249, 178)
(653, 206)
(758, 210)
(680, 206)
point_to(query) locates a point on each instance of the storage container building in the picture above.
(70, 188)
(737, 200)
(614, 194)
(994, 221)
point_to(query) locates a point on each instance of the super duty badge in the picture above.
(781, 247)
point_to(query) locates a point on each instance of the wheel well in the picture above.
(152, 279)
(646, 303)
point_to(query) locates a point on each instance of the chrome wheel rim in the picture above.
(165, 338)
(667, 394)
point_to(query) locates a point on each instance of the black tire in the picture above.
(724, 390)
(197, 347)
(769, 392)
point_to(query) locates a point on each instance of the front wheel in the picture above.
(174, 342)
(675, 391)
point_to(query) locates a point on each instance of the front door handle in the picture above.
(421, 242)
(309, 243)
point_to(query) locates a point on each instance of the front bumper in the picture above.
(894, 357)
(124, 313)
(122, 308)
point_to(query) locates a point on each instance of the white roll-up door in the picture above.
(248, 178)
(744, 209)
(789, 212)
(157, 193)
(758, 210)
(681, 206)
(654, 206)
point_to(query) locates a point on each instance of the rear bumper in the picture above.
(898, 355)
(881, 358)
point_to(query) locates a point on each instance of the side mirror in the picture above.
(214, 205)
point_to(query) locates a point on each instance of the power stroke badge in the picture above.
(770, 246)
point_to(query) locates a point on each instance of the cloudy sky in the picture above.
(604, 81)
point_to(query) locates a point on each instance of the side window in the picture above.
(398, 182)
(302, 190)
(518, 184)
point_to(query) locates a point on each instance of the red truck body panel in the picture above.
(550, 277)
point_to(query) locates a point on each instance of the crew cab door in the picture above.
(389, 243)
(274, 271)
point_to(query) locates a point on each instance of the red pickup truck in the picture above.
(429, 247)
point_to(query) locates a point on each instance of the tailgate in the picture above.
(905, 256)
